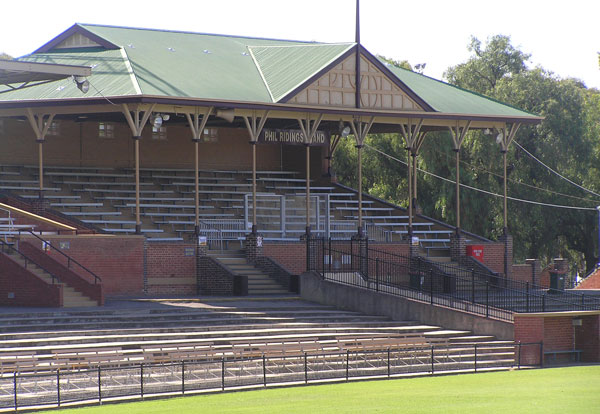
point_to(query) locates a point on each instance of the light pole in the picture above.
(598, 260)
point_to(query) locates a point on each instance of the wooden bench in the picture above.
(51, 197)
(91, 213)
(574, 354)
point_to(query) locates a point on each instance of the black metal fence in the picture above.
(471, 290)
(60, 388)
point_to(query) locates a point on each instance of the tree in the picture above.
(4, 56)
(566, 140)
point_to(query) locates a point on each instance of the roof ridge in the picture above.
(305, 45)
(262, 75)
(194, 33)
(130, 71)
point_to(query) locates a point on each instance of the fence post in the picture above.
(308, 268)
(543, 302)
(377, 274)
(351, 254)
(519, 358)
(323, 250)
(15, 389)
(142, 380)
(542, 354)
(99, 386)
(430, 283)
(487, 299)
(330, 254)
(223, 373)
(347, 363)
(583, 300)
(475, 357)
(264, 370)
(182, 377)
(527, 290)
(58, 386)
(305, 369)
(388, 357)
(432, 360)
(472, 285)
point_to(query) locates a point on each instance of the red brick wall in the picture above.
(587, 338)
(493, 256)
(73, 276)
(292, 256)
(171, 268)
(559, 333)
(402, 249)
(545, 277)
(522, 273)
(529, 330)
(25, 288)
(117, 260)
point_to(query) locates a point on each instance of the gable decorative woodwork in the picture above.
(75, 41)
(337, 88)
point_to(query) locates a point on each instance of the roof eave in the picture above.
(184, 101)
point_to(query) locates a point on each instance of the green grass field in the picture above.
(556, 390)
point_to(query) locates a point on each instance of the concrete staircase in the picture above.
(71, 297)
(259, 283)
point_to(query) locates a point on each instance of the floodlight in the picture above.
(82, 83)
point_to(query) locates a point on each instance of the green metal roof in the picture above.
(132, 61)
(447, 98)
(284, 68)
(109, 73)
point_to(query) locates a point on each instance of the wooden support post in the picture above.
(40, 126)
(255, 127)
(137, 126)
(459, 132)
(360, 130)
(413, 137)
(309, 128)
(197, 128)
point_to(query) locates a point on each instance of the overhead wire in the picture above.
(475, 167)
(556, 172)
(479, 189)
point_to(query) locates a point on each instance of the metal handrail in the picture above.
(69, 258)
(471, 291)
(29, 259)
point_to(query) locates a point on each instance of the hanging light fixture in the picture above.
(82, 83)
(344, 129)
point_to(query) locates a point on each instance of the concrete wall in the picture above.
(313, 288)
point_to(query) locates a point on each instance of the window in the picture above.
(159, 133)
(53, 129)
(106, 130)
(211, 135)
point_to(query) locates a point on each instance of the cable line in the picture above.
(555, 172)
(480, 190)
(475, 167)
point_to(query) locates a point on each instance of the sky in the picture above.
(562, 37)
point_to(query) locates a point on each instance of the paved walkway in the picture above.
(197, 302)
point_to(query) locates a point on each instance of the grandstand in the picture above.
(162, 183)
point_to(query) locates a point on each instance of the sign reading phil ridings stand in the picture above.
(291, 137)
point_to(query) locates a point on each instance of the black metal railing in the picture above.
(69, 259)
(8, 248)
(470, 290)
(22, 391)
